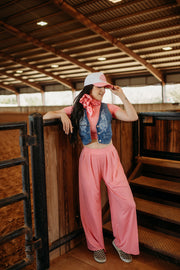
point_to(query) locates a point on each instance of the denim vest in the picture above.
(103, 127)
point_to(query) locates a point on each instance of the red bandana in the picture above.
(88, 102)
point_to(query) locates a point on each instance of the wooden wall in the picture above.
(61, 160)
(163, 136)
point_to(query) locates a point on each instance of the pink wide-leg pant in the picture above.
(94, 165)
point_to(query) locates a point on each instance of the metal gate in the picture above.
(39, 241)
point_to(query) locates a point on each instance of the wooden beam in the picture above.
(33, 85)
(33, 67)
(114, 41)
(40, 44)
(9, 88)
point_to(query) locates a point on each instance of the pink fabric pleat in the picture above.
(94, 165)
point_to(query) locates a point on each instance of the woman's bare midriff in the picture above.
(96, 145)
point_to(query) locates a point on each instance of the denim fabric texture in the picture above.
(103, 127)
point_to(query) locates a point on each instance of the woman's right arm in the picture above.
(66, 122)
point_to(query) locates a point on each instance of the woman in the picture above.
(99, 160)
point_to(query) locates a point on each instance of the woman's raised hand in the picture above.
(128, 113)
(117, 90)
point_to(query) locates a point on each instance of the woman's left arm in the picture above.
(129, 113)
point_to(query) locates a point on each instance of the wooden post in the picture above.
(18, 100)
(43, 98)
(163, 93)
(73, 94)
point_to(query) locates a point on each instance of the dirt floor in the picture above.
(12, 216)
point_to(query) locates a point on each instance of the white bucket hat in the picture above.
(98, 79)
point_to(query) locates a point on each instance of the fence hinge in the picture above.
(37, 243)
(27, 140)
(31, 246)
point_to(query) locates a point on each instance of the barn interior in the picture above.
(50, 46)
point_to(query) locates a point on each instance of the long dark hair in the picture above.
(78, 112)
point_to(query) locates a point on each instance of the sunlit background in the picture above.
(137, 95)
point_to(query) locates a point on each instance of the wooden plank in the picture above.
(149, 138)
(163, 185)
(162, 211)
(160, 162)
(176, 136)
(122, 140)
(164, 244)
(126, 138)
(161, 129)
(116, 130)
(68, 262)
(51, 146)
(62, 189)
(81, 258)
(163, 136)
(62, 185)
(136, 172)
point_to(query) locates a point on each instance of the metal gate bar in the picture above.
(21, 264)
(39, 190)
(13, 199)
(8, 237)
(12, 162)
(25, 196)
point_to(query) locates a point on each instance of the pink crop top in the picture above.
(94, 118)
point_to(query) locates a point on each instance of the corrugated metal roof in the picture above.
(130, 34)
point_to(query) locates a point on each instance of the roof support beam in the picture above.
(9, 88)
(33, 85)
(38, 43)
(24, 63)
(114, 41)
